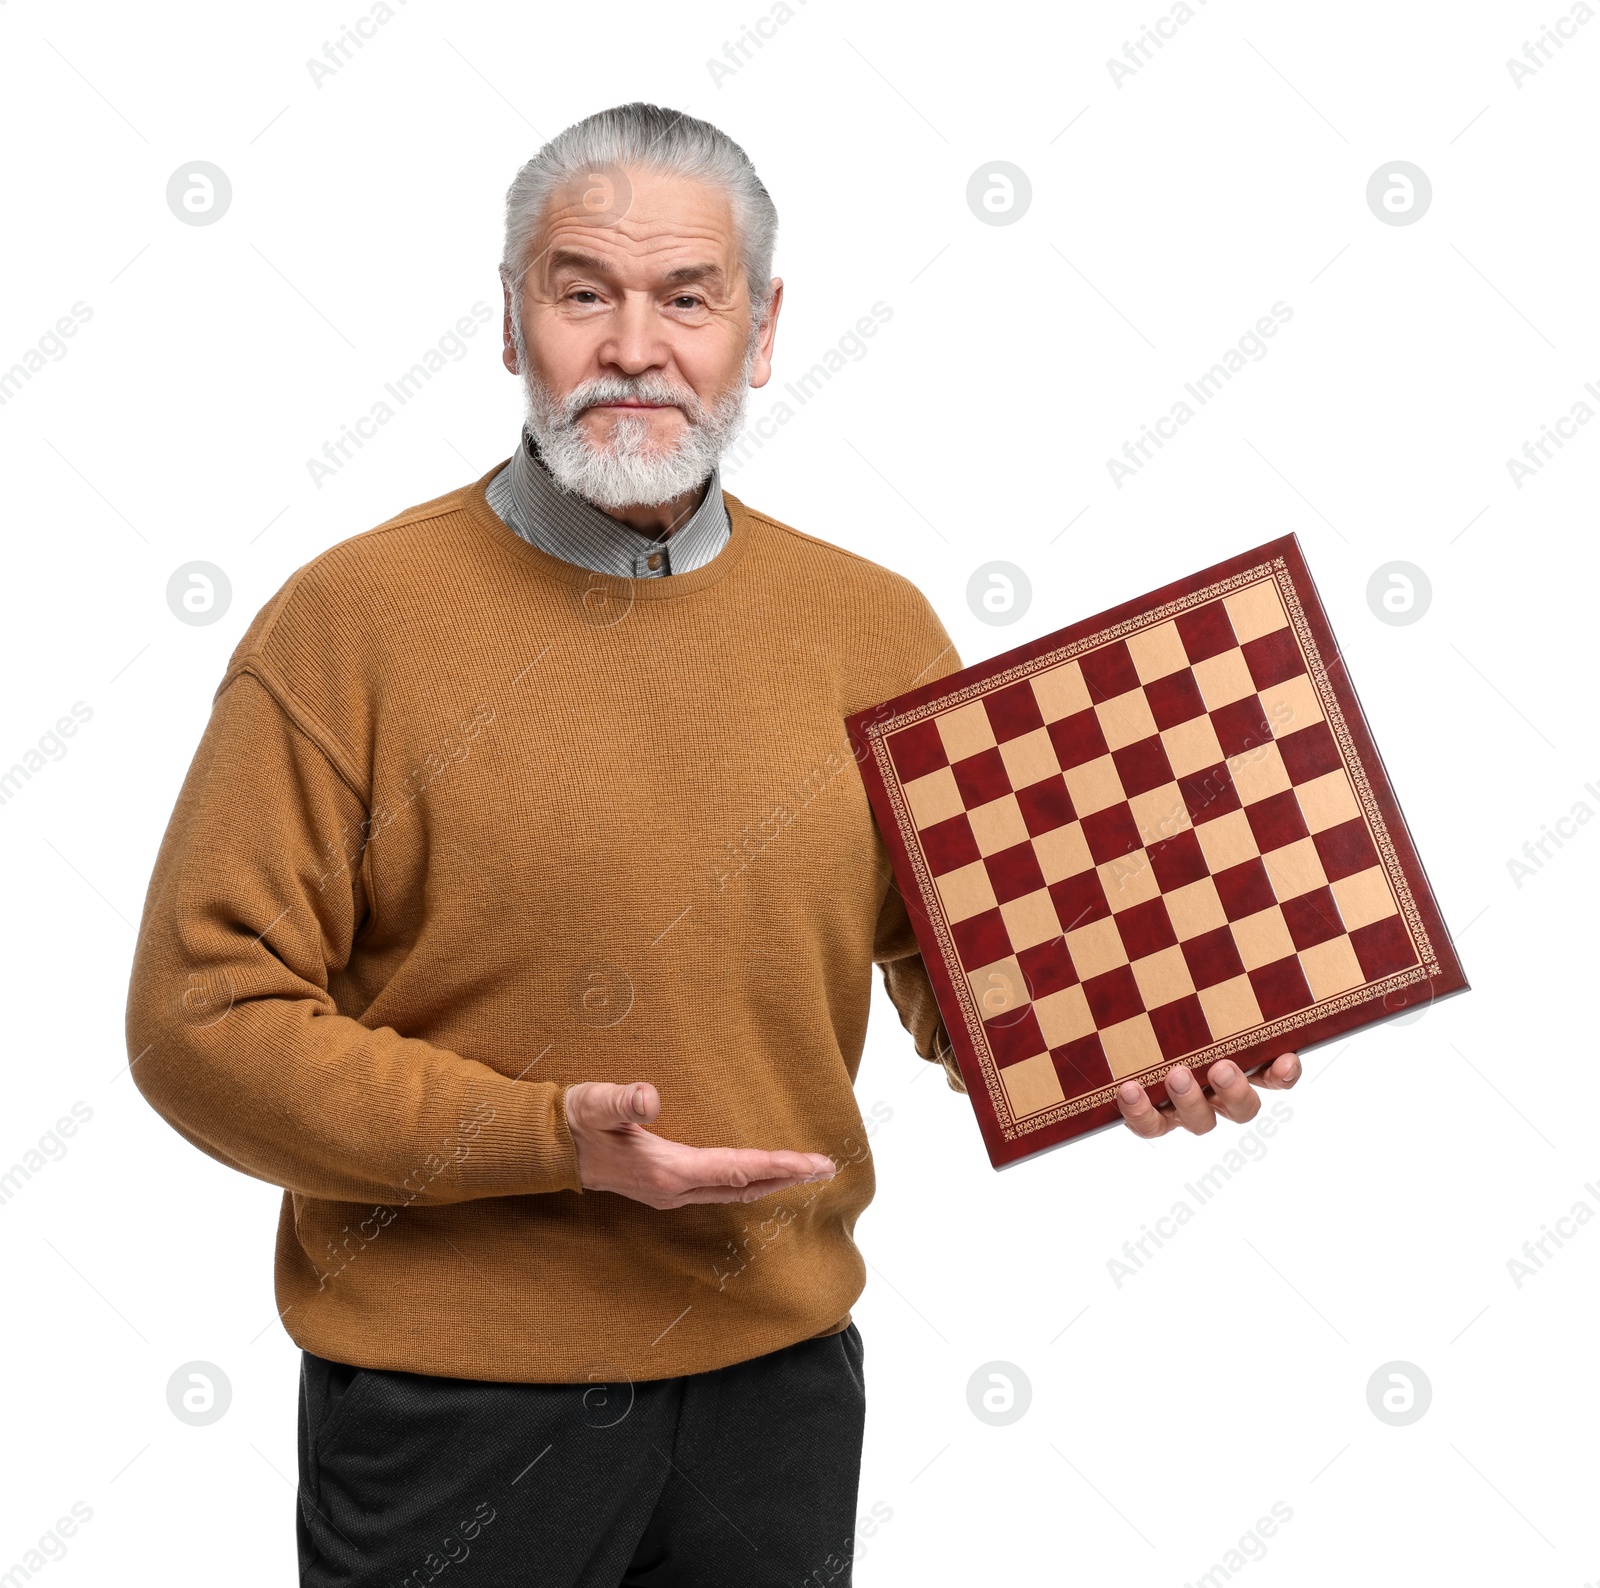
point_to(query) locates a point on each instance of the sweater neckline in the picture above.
(575, 576)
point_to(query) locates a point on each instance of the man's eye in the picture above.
(686, 300)
(585, 294)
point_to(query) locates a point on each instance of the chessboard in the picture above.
(1159, 837)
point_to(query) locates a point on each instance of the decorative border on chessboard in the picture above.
(1333, 711)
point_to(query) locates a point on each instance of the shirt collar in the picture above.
(567, 526)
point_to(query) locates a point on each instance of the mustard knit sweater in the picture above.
(468, 825)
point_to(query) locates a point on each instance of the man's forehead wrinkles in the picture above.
(694, 241)
(674, 260)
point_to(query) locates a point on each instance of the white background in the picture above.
(1168, 214)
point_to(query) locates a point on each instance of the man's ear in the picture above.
(508, 350)
(761, 370)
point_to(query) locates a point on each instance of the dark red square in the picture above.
(1047, 967)
(1309, 752)
(982, 939)
(1213, 957)
(1209, 793)
(1142, 766)
(1312, 918)
(1346, 849)
(1273, 657)
(1014, 872)
(1014, 1035)
(1146, 929)
(1081, 1066)
(1206, 631)
(1109, 671)
(1045, 806)
(1177, 861)
(1180, 1027)
(1079, 900)
(1277, 820)
(1382, 948)
(1111, 833)
(918, 750)
(1174, 699)
(981, 778)
(1280, 988)
(1013, 711)
(1078, 738)
(1244, 889)
(949, 844)
(1113, 996)
(1241, 725)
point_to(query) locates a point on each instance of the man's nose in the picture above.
(635, 343)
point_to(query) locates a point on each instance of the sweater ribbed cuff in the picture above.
(524, 1146)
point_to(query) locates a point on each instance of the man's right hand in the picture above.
(616, 1153)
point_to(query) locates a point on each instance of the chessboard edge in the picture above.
(1057, 639)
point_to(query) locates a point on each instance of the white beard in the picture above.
(629, 469)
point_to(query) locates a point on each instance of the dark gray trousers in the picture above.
(745, 1477)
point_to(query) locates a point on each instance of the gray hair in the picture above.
(647, 137)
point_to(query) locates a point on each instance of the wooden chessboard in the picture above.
(1162, 836)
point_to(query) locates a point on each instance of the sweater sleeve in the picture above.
(232, 1032)
(905, 976)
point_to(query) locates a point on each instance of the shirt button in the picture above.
(654, 560)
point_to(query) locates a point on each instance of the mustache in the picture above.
(626, 388)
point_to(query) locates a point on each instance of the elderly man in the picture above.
(459, 934)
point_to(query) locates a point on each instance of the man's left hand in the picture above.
(1235, 1096)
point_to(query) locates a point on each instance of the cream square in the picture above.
(1364, 898)
(1131, 1046)
(1096, 948)
(1063, 852)
(1093, 786)
(1195, 909)
(1290, 706)
(1126, 719)
(1163, 978)
(1157, 652)
(1230, 1006)
(1263, 938)
(1030, 758)
(1255, 610)
(1061, 692)
(998, 825)
(1327, 801)
(1192, 746)
(1030, 919)
(1295, 869)
(1032, 1085)
(1259, 773)
(1226, 841)
(1128, 880)
(933, 797)
(1160, 813)
(998, 988)
(1063, 1016)
(965, 731)
(966, 891)
(1223, 679)
(1331, 968)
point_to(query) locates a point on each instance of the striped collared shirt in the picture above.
(567, 526)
